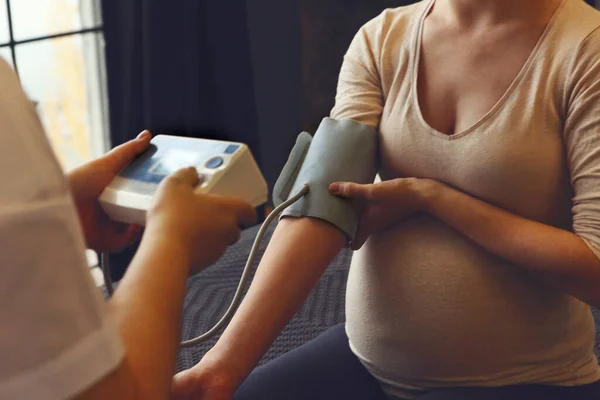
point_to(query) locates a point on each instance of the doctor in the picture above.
(59, 339)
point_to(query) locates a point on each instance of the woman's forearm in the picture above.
(298, 254)
(558, 255)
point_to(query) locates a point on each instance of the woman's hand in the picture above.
(386, 202)
(87, 183)
(203, 225)
(202, 382)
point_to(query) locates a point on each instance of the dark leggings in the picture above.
(326, 369)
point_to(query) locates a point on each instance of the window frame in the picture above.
(99, 144)
(12, 43)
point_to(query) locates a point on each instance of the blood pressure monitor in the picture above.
(341, 150)
(225, 168)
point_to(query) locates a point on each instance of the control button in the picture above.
(214, 162)
(231, 148)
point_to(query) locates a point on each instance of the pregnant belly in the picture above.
(427, 305)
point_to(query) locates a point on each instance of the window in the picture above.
(56, 48)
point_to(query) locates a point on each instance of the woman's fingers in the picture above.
(391, 190)
(352, 190)
(366, 226)
(374, 219)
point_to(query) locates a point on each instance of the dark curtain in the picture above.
(179, 67)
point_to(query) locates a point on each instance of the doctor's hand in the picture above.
(201, 225)
(386, 202)
(87, 183)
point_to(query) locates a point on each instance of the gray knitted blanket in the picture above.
(210, 292)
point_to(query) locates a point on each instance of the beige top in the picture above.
(428, 308)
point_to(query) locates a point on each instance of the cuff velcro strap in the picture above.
(342, 150)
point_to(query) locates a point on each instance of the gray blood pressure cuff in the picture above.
(342, 150)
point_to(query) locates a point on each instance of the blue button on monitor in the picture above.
(214, 162)
(231, 148)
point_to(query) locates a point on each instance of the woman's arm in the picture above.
(299, 252)
(558, 255)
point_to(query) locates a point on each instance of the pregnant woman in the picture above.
(478, 251)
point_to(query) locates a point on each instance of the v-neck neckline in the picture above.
(417, 46)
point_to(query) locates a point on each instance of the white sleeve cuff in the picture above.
(72, 372)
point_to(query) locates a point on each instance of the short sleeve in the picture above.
(57, 338)
(359, 94)
(582, 140)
